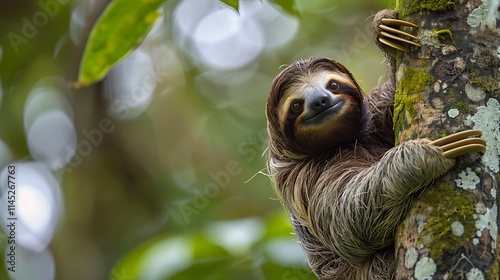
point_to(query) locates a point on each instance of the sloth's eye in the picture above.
(333, 86)
(296, 106)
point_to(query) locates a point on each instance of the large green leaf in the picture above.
(231, 3)
(121, 27)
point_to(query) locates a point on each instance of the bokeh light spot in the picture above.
(130, 86)
(50, 137)
(34, 208)
(236, 236)
(38, 203)
(216, 37)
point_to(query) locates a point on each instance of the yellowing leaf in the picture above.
(121, 27)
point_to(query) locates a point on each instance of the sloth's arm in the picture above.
(357, 212)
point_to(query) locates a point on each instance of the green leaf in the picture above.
(289, 6)
(231, 3)
(121, 27)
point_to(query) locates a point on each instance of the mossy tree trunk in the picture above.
(448, 85)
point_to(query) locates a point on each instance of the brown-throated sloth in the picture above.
(334, 165)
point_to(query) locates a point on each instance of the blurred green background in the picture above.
(158, 172)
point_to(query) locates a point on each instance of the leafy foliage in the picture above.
(232, 3)
(121, 28)
(289, 6)
(183, 257)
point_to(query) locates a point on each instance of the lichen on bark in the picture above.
(451, 84)
(458, 206)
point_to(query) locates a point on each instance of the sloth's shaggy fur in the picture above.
(346, 199)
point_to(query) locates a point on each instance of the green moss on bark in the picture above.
(462, 107)
(488, 84)
(406, 7)
(408, 91)
(458, 206)
(442, 34)
(494, 272)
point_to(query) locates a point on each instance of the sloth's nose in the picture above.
(318, 101)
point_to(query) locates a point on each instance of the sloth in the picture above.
(335, 166)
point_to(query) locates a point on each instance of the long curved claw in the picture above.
(460, 144)
(403, 40)
(391, 36)
(463, 143)
(398, 32)
(460, 151)
(393, 21)
(456, 136)
(393, 45)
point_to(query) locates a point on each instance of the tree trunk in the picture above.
(448, 85)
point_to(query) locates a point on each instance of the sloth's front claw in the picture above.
(391, 36)
(388, 35)
(393, 21)
(458, 144)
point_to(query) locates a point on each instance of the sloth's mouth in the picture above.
(324, 114)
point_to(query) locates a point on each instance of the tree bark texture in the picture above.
(451, 84)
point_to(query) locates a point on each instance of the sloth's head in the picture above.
(314, 105)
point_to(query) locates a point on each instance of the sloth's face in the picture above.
(320, 109)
